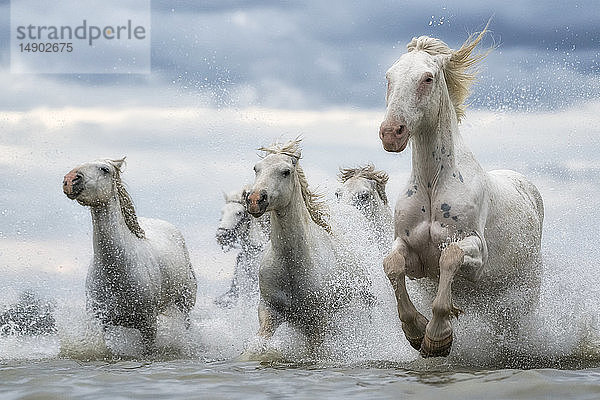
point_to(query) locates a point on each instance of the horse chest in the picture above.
(424, 224)
(121, 289)
(289, 286)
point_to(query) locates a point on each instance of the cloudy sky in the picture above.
(230, 76)
(314, 54)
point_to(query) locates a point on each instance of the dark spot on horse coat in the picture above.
(441, 168)
(443, 150)
(409, 193)
(455, 218)
(446, 209)
(428, 184)
(407, 232)
(460, 177)
(423, 208)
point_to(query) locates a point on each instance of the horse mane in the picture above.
(125, 201)
(456, 70)
(314, 204)
(368, 172)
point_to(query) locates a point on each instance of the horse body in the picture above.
(454, 220)
(305, 275)
(293, 277)
(238, 229)
(140, 267)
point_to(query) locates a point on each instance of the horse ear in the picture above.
(119, 163)
(294, 161)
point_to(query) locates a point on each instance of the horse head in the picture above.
(234, 222)
(363, 188)
(280, 179)
(274, 185)
(93, 183)
(96, 183)
(429, 82)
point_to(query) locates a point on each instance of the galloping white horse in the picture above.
(454, 220)
(305, 275)
(364, 189)
(238, 229)
(140, 267)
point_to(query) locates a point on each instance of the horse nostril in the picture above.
(263, 197)
(398, 131)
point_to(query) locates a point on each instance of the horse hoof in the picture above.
(415, 342)
(436, 348)
(415, 331)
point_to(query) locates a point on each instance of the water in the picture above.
(224, 380)
(367, 356)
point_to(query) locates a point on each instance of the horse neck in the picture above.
(112, 237)
(290, 226)
(437, 146)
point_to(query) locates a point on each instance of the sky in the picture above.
(314, 54)
(230, 76)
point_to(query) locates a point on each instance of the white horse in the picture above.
(364, 189)
(238, 229)
(454, 221)
(139, 268)
(305, 275)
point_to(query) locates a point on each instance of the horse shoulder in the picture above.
(412, 208)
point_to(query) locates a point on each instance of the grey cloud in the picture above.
(315, 54)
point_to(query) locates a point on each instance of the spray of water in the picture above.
(562, 332)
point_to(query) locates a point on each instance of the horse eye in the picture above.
(428, 79)
(286, 172)
(104, 169)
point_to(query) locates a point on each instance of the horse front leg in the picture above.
(468, 255)
(268, 321)
(413, 322)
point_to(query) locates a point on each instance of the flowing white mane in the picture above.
(458, 70)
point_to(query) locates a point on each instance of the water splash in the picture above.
(562, 333)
